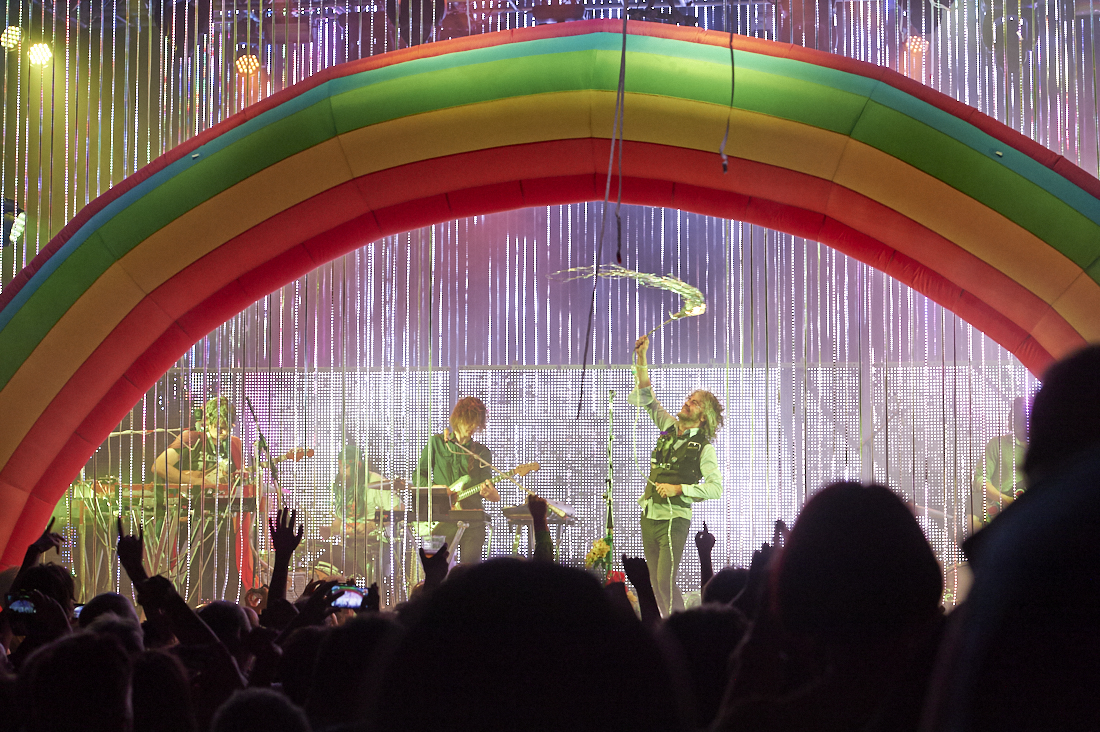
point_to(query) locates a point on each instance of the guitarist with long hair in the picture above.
(447, 459)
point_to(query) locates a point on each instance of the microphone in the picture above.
(610, 395)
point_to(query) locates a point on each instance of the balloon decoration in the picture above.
(986, 222)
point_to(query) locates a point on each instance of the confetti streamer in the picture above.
(691, 298)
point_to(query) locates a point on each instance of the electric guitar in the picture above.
(459, 492)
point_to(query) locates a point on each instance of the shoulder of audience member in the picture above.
(259, 709)
(127, 631)
(107, 603)
(53, 580)
(726, 584)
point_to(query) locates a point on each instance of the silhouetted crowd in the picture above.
(836, 625)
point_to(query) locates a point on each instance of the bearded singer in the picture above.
(683, 469)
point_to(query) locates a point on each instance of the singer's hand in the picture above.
(641, 348)
(669, 489)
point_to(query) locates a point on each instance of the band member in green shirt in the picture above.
(449, 457)
(999, 477)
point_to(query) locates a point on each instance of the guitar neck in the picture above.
(464, 494)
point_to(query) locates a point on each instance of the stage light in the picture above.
(455, 23)
(15, 221)
(559, 12)
(248, 64)
(922, 16)
(39, 54)
(1007, 30)
(18, 226)
(11, 36)
(916, 44)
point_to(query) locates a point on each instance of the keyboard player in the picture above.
(209, 461)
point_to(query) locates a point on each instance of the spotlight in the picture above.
(677, 14)
(15, 221)
(414, 19)
(922, 16)
(11, 36)
(916, 44)
(558, 12)
(455, 23)
(1007, 30)
(247, 64)
(39, 54)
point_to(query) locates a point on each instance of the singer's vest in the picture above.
(670, 463)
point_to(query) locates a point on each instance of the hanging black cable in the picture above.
(616, 137)
(733, 85)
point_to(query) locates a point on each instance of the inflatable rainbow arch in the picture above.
(981, 219)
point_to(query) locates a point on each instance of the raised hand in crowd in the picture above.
(704, 544)
(214, 673)
(435, 567)
(637, 571)
(544, 543)
(286, 535)
(750, 601)
(131, 553)
(286, 532)
(37, 548)
(372, 601)
(48, 540)
(47, 615)
(537, 506)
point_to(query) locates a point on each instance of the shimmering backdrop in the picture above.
(827, 368)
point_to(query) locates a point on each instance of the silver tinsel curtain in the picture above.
(828, 369)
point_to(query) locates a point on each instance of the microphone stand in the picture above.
(610, 519)
(263, 455)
